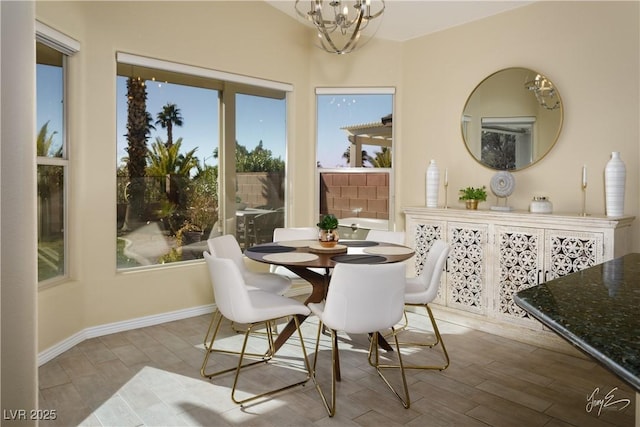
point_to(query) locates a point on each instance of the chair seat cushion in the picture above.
(266, 306)
(413, 285)
(414, 291)
(270, 282)
(317, 308)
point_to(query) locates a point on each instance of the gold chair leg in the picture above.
(405, 324)
(238, 331)
(438, 340)
(331, 407)
(263, 357)
(375, 349)
(272, 352)
(208, 343)
(208, 346)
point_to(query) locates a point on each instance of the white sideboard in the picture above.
(495, 254)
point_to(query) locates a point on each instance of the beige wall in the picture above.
(18, 331)
(593, 61)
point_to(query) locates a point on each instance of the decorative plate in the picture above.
(337, 249)
(502, 184)
(388, 250)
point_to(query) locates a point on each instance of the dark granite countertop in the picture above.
(596, 310)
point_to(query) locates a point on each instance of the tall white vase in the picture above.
(615, 174)
(433, 184)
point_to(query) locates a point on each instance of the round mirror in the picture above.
(512, 119)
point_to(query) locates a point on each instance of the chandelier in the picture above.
(340, 23)
(544, 91)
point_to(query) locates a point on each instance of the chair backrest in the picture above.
(386, 236)
(264, 224)
(433, 266)
(365, 298)
(229, 289)
(295, 233)
(226, 246)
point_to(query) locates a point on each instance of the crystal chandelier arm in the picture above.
(355, 36)
(325, 37)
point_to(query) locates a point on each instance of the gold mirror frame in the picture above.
(512, 119)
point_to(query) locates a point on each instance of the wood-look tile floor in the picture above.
(151, 377)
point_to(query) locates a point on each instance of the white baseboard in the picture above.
(125, 325)
(299, 288)
(545, 339)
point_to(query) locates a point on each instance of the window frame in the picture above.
(516, 126)
(67, 46)
(229, 85)
(377, 90)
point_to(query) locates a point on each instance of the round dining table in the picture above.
(313, 263)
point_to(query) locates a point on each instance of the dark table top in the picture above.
(597, 310)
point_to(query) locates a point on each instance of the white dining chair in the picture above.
(226, 246)
(236, 302)
(295, 233)
(386, 236)
(422, 290)
(362, 299)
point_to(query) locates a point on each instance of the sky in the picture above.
(258, 118)
(337, 111)
(49, 104)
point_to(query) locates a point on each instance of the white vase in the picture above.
(433, 184)
(615, 174)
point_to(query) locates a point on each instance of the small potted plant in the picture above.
(471, 196)
(328, 235)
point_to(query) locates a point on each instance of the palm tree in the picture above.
(347, 156)
(44, 141)
(138, 130)
(169, 116)
(167, 160)
(382, 159)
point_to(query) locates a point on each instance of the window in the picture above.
(200, 153)
(506, 142)
(355, 158)
(52, 50)
(259, 168)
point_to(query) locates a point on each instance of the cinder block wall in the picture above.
(355, 194)
(261, 189)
